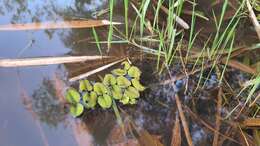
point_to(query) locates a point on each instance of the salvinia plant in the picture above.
(121, 85)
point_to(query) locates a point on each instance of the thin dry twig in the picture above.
(76, 69)
(84, 75)
(256, 99)
(46, 60)
(209, 126)
(244, 137)
(240, 66)
(253, 18)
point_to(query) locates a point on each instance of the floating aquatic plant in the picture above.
(122, 85)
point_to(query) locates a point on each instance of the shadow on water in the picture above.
(32, 107)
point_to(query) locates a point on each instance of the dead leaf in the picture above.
(146, 139)
(56, 25)
(116, 137)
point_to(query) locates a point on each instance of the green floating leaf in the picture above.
(76, 110)
(105, 101)
(123, 82)
(126, 65)
(134, 72)
(133, 101)
(131, 92)
(109, 79)
(85, 97)
(100, 88)
(119, 72)
(72, 96)
(125, 100)
(85, 85)
(116, 92)
(138, 85)
(90, 99)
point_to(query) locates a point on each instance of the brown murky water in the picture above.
(31, 106)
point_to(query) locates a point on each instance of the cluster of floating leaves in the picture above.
(122, 85)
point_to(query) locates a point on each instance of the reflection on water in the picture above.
(46, 105)
(31, 106)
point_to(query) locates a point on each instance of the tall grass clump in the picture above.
(223, 39)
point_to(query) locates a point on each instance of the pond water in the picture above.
(30, 111)
(32, 107)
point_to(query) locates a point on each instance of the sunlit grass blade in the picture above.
(158, 7)
(224, 7)
(126, 17)
(97, 40)
(229, 53)
(159, 50)
(144, 8)
(110, 33)
(191, 37)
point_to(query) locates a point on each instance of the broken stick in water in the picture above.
(47, 60)
(84, 75)
(57, 25)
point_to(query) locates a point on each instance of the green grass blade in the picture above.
(126, 17)
(110, 33)
(97, 40)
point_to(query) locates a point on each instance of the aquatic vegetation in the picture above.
(122, 85)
